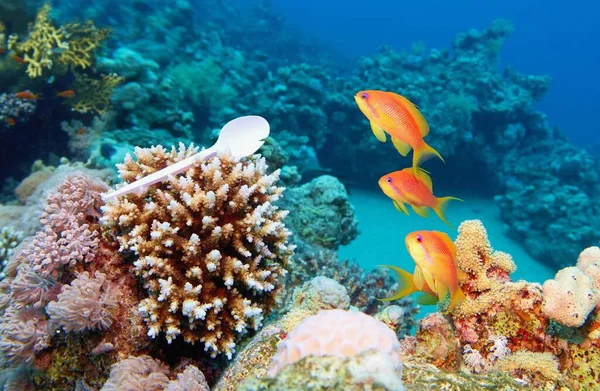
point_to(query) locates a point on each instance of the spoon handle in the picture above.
(161, 175)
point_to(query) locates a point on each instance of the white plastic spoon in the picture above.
(240, 137)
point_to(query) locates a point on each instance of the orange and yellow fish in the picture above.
(18, 59)
(397, 116)
(66, 94)
(26, 95)
(403, 187)
(436, 272)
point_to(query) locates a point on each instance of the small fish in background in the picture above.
(435, 273)
(18, 59)
(81, 131)
(397, 116)
(26, 95)
(403, 187)
(2, 51)
(11, 121)
(66, 94)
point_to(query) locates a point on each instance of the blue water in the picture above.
(550, 37)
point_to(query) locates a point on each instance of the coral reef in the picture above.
(45, 45)
(536, 334)
(323, 217)
(364, 288)
(209, 245)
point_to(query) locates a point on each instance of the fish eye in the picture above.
(419, 238)
(364, 95)
(389, 179)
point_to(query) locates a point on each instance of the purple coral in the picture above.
(87, 303)
(15, 108)
(24, 332)
(142, 373)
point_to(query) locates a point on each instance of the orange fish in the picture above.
(403, 187)
(11, 121)
(2, 51)
(407, 286)
(395, 115)
(18, 59)
(435, 273)
(81, 131)
(66, 94)
(26, 95)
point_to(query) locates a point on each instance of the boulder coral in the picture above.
(209, 246)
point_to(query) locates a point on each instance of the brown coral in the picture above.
(209, 244)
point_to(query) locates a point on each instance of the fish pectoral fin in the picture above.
(426, 299)
(429, 280)
(441, 290)
(401, 207)
(401, 146)
(406, 284)
(378, 132)
(418, 278)
(422, 211)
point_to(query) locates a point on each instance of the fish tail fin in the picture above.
(440, 208)
(422, 154)
(406, 284)
(456, 298)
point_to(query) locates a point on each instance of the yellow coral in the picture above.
(83, 40)
(537, 368)
(93, 95)
(72, 44)
(475, 255)
(209, 244)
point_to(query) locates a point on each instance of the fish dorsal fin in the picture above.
(425, 178)
(401, 146)
(422, 211)
(401, 207)
(418, 117)
(419, 278)
(429, 280)
(378, 132)
(449, 244)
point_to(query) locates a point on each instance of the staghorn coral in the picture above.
(45, 45)
(209, 245)
(86, 303)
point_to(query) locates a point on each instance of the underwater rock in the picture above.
(322, 216)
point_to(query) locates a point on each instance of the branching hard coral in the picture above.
(86, 303)
(46, 44)
(209, 245)
(93, 95)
